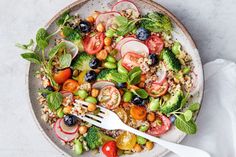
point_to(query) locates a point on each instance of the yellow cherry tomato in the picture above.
(126, 141)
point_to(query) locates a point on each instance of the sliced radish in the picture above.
(67, 94)
(71, 48)
(102, 84)
(124, 40)
(104, 17)
(61, 135)
(66, 129)
(110, 22)
(134, 46)
(126, 5)
(161, 73)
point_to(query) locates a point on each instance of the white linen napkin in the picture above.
(217, 118)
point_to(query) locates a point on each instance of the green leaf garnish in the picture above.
(194, 107)
(32, 57)
(141, 93)
(65, 60)
(188, 127)
(54, 100)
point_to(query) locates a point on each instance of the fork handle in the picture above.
(180, 150)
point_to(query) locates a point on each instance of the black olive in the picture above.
(84, 26)
(122, 85)
(70, 120)
(49, 88)
(94, 63)
(154, 59)
(138, 101)
(90, 76)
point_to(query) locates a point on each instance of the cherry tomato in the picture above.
(62, 75)
(122, 114)
(138, 112)
(156, 89)
(126, 141)
(155, 44)
(130, 60)
(109, 97)
(109, 149)
(70, 86)
(94, 43)
(159, 126)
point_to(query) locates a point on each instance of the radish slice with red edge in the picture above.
(124, 40)
(126, 5)
(67, 94)
(134, 46)
(102, 84)
(71, 48)
(161, 73)
(104, 17)
(66, 129)
(62, 136)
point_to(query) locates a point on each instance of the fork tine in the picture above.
(94, 117)
(90, 121)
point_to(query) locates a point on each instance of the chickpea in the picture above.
(102, 55)
(90, 19)
(149, 145)
(107, 41)
(67, 109)
(92, 107)
(151, 117)
(100, 27)
(108, 49)
(94, 92)
(95, 14)
(141, 84)
(83, 129)
(137, 148)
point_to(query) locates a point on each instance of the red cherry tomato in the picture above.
(130, 60)
(62, 75)
(159, 126)
(109, 149)
(94, 43)
(155, 89)
(155, 44)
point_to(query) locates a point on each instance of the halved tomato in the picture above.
(70, 86)
(93, 43)
(62, 75)
(159, 126)
(155, 44)
(156, 89)
(109, 96)
(130, 60)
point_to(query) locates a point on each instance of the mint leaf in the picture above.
(65, 60)
(194, 107)
(188, 115)
(141, 93)
(119, 78)
(32, 57)
(55, 49)
(54, 100)
(188, 127)
(41, 38)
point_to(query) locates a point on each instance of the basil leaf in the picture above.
(135, 78)
(141, 93)
(41, 38)
(194, 107)
(188, 115)
(55, 49)
(119, 78)
(71, 34)
(65, 60)
(32, 57)
(54, 100)
(188, 127)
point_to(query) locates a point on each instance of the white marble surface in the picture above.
(212, 24)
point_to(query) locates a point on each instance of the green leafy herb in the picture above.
(64, 18)
(188, 115)
(65, 60)
(188, 127)
(42, 38)
(26, 46)
(54, 100)
(44, 91)
(194, 107)
(55, 49)
(71, 34)
(32, 57)
(141, 93)
(119, 77)
(135, 75)
(184, 100)
(156, 22)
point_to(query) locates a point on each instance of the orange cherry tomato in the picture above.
(70, 86)
(138, 112)
(126, 141)
(62, 75)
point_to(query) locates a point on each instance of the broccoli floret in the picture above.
(173, 103)
(81, 61)
(105, 74)
(95, 138)
(171, 61)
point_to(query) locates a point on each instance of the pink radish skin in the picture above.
(124, 5)
(62, 136)
(66, 129)
(104, 17)
(72, 48)
(102, 84)
(134, 46)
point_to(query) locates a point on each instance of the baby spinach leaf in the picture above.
(141, 93)
(64, 18)
(134, 70)
(54, 100)
(65, 60)
(135, 78)
(32, 57)
(26, 46)
(194, 107)
(188, 115)
(41, 38)
(188, 127)
(119, 78)
(55, 49)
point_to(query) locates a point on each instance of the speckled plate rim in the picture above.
(155, 5)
